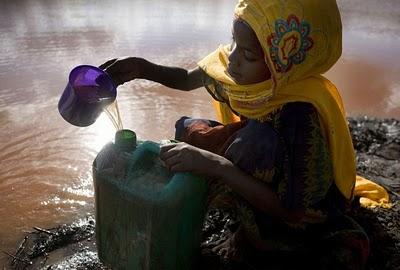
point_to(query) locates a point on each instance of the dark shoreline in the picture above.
(377, 145)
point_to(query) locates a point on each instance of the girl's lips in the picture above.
(233, 74)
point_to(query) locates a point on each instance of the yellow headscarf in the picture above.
(301, 39)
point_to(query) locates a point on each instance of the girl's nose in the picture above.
(234, 57)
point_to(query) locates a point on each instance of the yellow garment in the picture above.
(371, 194)
(301, 40)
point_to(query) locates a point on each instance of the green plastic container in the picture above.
(146, 217)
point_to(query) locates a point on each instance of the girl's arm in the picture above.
(257, 193)
(130, 68)
(181, 157)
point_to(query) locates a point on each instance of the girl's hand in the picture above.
(183, 157)
(122, 70)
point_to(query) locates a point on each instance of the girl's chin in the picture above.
(237, 80)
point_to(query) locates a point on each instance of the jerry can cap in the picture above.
(125, 140)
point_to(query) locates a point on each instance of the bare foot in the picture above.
(232, 248)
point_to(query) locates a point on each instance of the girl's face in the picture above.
(246, 61)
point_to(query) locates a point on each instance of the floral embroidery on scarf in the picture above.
(290, 42)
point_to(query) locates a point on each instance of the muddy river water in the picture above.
(45, 172)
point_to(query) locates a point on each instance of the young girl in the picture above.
(283, 155)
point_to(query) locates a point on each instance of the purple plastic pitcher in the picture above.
(88, 92)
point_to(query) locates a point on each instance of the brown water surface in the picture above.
(45, 172)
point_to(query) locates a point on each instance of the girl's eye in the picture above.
(249, 56)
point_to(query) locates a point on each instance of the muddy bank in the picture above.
(377, 144)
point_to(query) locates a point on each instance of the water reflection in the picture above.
(369, 89)
(45, 172)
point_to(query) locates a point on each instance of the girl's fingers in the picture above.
(166, 147)
(108, 63)
(178, 167)
(169, 154)
(118, 78)
(172, 160)
(120, 65)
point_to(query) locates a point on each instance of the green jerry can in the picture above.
(146, 216)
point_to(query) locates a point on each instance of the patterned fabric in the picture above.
(288, 152)
(289, 43)
(301, 40)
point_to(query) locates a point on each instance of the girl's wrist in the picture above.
(213, 164)
(223, 168)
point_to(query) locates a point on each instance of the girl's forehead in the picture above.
(244, 33)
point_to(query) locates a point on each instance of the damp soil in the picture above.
(377, 144)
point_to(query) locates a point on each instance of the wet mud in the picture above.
(377, 145)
